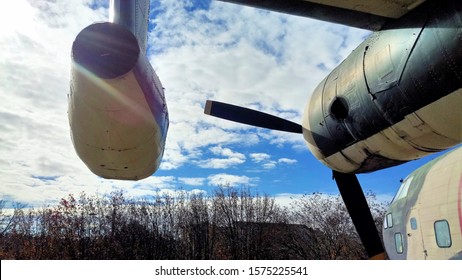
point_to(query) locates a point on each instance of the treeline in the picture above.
(230, 223)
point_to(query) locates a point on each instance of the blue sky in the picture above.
(200, 50)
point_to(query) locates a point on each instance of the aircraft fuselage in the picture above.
(424, 220)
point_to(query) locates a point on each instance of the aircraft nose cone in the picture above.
(106, 49)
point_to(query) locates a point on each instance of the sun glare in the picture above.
(17, 16)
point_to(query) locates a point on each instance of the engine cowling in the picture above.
(117, 110)
(396, 98)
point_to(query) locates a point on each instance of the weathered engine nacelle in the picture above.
(117, 110)
(396, 98)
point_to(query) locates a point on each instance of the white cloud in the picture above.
(287, 199)
(34, 62)
(226, 152)
(264, 159)
(219, 163)
(269, 164)
(242, 56)
(259, 157)
(231, 159)
(197, 181)
(230, 53)
(174, 156)
(155, 182)
(223, 179)
(287, 161)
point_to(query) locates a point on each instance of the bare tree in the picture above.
(333, 235)
(231, 223)
(6, 218)
(243, 218)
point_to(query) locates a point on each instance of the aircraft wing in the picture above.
(365, 14)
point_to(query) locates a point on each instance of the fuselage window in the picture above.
(390, 220)
(399, 242)
(413, 223)
(443, 234)
(403, 189)
(385, 224)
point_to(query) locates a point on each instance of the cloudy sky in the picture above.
(201, 50)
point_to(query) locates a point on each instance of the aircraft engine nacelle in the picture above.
(117, 110)
(396, 98)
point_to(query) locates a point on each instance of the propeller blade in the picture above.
(251, 117)
(356, 204)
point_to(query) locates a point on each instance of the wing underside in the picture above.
(365, 14)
